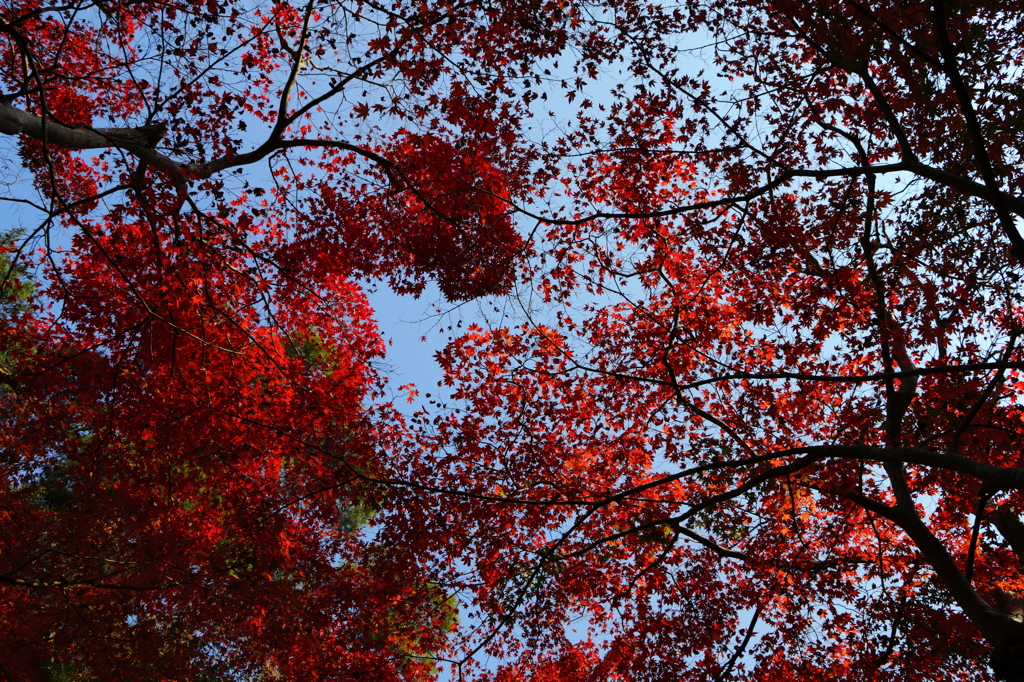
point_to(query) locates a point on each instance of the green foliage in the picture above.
(311, 348)
(234, 558)
(55, 671)
(49, 489)
(16, 290)
(438, 612)
(16, 286)
(353, 516)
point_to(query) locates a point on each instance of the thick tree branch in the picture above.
(1009, 525)
(993, 478)
(140, 142)
(997, 628)
(14, 121)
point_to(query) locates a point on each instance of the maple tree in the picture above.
(762, 417)
(759, 420)
(191, 405)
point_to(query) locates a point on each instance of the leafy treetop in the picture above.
(759, 418)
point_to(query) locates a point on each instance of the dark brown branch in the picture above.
(727, 670)
(976, 137)
(986, 394)
(140, 142)
(993, 478)
(997, 628)
(137, 141)
(1009, 525)
(915, 166)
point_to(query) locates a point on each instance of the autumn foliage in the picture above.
(749, 405)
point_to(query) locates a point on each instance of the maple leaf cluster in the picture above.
(752, 408)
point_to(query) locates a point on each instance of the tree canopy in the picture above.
(750, 407)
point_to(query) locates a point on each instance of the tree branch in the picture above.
(997, 628)
(976, 137)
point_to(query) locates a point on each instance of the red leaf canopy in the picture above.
(750, 407)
